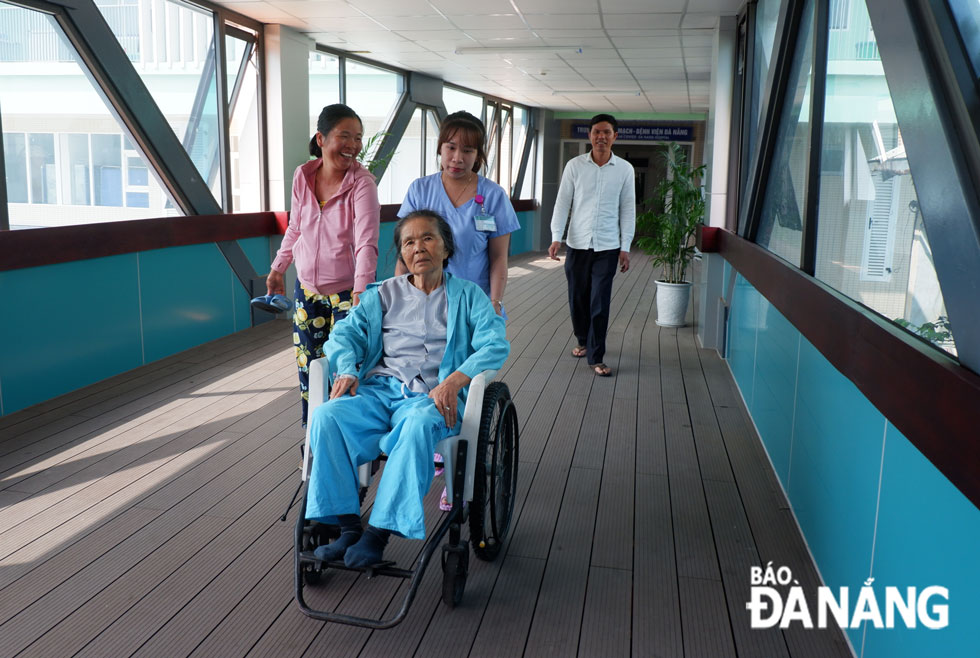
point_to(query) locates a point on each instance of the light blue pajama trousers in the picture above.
(349, 431)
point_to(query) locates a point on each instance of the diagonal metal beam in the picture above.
(396, 130)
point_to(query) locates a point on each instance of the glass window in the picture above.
(871, 240)
(176, 61)
(244, 129)
(79, 170)
(492, 146)
(528, 190)
(373, 93)
(839, 14)
(40, 149)
(64, 152)
(405, 164)
(967, 15)
(766, 19)
(431, 157)
(520, 135)
(324, 84)
(506, 147)
(15, 163)
(781, 224)
(107, 170)
(457, 99)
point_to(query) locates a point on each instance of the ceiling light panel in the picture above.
(318, 8)
(550, 6)
(489, 21)
(394, 7)
(642, 6)
(563, 21)
(699, 20)
(647, 20)
(716, 6)
(495, 37)
(424, 37)
(405, 23)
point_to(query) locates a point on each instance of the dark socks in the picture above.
(369, 549)
(350, 532)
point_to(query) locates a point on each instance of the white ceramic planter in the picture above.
(672, 301)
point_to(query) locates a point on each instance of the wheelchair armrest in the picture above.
(319, 391)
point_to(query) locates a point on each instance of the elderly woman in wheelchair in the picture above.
(401, 362)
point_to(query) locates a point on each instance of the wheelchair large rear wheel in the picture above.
(495, 480)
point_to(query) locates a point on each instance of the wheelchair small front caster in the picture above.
(455, 565)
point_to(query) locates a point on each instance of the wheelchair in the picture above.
(480, 470)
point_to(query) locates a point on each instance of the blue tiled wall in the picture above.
(73, 324)
(833, 450)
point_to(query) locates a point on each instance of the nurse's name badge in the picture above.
(483, 221)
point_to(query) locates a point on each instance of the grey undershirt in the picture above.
(413, 337)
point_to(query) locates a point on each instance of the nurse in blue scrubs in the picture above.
(477, 209)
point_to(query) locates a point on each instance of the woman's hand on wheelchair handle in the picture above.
(344, 384)
(446, 395)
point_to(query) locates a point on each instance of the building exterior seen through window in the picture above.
(172, 47)
(871, 240)
(456, 99)
(67, 160)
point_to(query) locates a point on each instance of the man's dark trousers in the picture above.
(590, 276)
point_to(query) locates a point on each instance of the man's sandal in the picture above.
(601, 370)
(579, 351)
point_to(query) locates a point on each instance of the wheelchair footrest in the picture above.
(386, 568)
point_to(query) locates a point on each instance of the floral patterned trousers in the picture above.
(313, 318)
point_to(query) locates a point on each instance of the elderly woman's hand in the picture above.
(344, 384)
(445, 395)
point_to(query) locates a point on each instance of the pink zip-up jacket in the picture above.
(336, 247)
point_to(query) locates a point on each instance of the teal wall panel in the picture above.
(775, 384)
(66, 326)
(257, 252)
(521, 240)
(742, 327)
(836, 462)
(928, 534)
(387, 254)
(187, 296)
(867, 501)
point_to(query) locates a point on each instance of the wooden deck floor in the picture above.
(140, 514)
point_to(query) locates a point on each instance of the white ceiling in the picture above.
(661, 48)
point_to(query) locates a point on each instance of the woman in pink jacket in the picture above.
(332, 236)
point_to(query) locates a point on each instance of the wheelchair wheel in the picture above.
(495, 480)
(455, 565)
(316, 534)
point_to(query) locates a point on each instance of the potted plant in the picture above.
(668, 234)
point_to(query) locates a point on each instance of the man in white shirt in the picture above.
(598, 188)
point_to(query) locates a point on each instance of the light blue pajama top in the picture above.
(475, 335)
(472, 258)
(413, 333)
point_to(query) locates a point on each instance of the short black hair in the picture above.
(329, 117)
(610, 119)
(445, 231)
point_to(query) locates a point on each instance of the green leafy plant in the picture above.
(668, 236)
(371, 146)
(937, 332)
